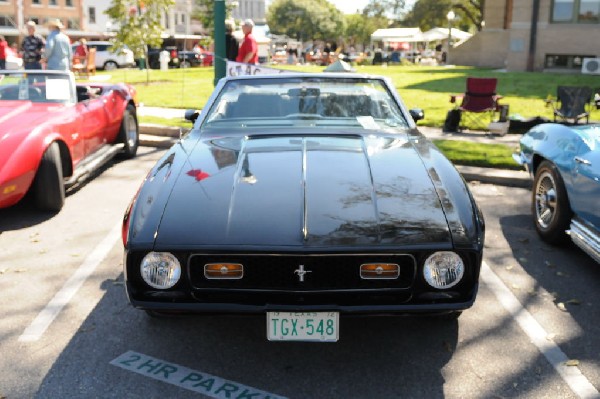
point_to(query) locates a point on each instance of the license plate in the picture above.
(303, 326)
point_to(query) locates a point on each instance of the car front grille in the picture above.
(330, 272)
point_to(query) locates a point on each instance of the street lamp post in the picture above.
(450, 16)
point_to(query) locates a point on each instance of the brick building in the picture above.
(557, 39)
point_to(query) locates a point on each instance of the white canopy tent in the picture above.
(408, 35)
(442, 34)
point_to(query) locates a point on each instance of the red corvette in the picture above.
(54, 132)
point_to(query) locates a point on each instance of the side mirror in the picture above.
(417, 114)
(191, 115)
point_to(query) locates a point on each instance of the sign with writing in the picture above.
(189, 379)
(241, 69)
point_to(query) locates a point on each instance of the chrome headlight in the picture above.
(443, 269)
(160, 270)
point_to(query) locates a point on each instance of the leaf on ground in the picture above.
(20, 270)
(523, 260)
(572, 363)
(561, 306)
(550, 264)
(561, 274)
(516, 286)
(524, 240)
(2, 271)
(550, 337)
(573, 302)
(509, 267)
(118, 283)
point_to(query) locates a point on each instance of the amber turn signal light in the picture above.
(382, 271)
(223, 271)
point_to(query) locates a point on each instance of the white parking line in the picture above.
(183, 377)
(43, 320)
(579, 384)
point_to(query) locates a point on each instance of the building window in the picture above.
(565, 61)
(576, 11)
(6, 21)
(183, 19)
(69, 3)
(35, 2)
(52, 2)
(92, 15)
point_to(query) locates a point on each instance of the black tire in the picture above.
(110, 66)
(550, 204)
(129, 133)
(48, 185)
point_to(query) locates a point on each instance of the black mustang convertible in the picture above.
(302, 197)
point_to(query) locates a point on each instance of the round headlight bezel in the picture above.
(436, 268)
(160, 270)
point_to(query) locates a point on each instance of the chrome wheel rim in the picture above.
(130, 129)
(545, 200)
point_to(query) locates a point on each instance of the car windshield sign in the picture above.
(35, 87)
(328, 103)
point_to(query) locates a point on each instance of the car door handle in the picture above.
(582, 161)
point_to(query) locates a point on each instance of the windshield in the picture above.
(36, 87)
(360, 103)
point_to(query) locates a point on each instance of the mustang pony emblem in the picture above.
(301, 272)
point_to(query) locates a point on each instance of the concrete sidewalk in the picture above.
(165, 136)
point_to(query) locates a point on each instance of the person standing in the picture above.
(248, 52)
(81, 52)
(58, 52)
(231, 44)
(32, 48)
(3, 52)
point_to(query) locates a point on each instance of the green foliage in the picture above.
(359, 28)
(139, 24)
(205, 12)
(478, 154)
(423, 87)
(428, 14)
(305, 19)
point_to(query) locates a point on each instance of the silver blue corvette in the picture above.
(564, 162)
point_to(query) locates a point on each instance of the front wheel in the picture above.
(550, 204)
(110, 66)
(129, 133)
(48, 185)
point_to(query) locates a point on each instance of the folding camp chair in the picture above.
(572, 103)
(479, 103)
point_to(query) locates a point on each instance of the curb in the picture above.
(159, 136)
(501, 177)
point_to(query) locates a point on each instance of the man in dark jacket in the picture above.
(231, 44)
(32, 48)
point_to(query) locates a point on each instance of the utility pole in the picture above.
(219, 23)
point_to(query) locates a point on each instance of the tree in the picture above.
(305, 19)
(139, 23)
(360, 27)
(205, 12)
(428, 14)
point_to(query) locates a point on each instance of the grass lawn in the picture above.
(423, 87)
(478, 154)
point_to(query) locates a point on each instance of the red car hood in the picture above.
(18, 119)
